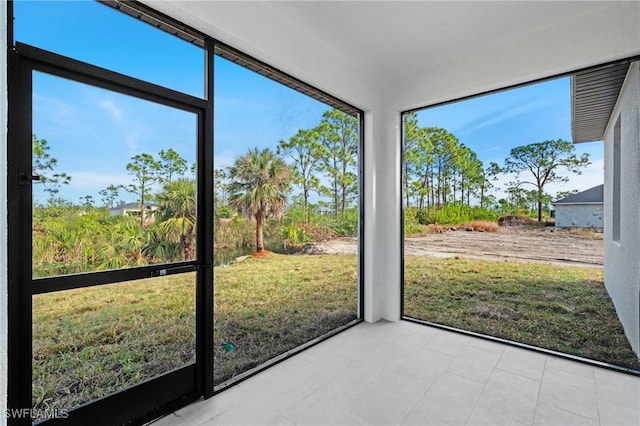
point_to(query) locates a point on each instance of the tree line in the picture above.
(439, 170)
(259, 185)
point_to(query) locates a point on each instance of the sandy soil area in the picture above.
(579, 248)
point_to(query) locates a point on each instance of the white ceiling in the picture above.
(395, 38)
(418, 52)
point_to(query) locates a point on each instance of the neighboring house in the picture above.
(606, 106)
(582, 210)
(133, 209)
(325, 210)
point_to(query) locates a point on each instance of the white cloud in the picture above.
(113, 110)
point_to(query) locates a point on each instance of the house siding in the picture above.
(580, 215)
(621, 257)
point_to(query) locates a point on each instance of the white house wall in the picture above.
(622, 258)
(580, 215)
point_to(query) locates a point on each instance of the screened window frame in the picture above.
(185, 382)
(513, 343)
(144, 401)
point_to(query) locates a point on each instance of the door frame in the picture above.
(157, 395)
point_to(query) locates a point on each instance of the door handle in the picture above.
(28, 177)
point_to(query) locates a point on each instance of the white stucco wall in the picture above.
(622, 258)
(3, 216)
(579, 215)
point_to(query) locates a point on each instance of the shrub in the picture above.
(233, 233)
(411, 224)
(480, 226)
(455, 214)
(425, 216)
(295, 235)
(347, 224)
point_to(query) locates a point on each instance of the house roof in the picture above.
(593, 96)
(593, 195)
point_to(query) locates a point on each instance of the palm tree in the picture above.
(259, 186)
(123, 245)
(177, 213)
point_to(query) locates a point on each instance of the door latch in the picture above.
(28, 177)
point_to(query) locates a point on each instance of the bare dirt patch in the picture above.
(521, 243)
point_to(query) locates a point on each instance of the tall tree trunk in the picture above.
(433, 191)
(539, 211)
(187, 246)
(142, 209)
(454, 190)
(425, 186)
(539, 205)
(406, 184)
(259, 239)
(335, 198)
(438, 191)
(305, 193)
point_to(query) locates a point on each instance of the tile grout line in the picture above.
(507, 372)
(431, 385)
(595, 384)
(544, 370)
(484, 387)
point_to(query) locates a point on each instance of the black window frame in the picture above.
(185, 383)
(149, 399)
(490, 338)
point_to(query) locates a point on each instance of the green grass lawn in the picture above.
(565, 309)
(88, 343)
(266, 306)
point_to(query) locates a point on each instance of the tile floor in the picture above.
(408, 374)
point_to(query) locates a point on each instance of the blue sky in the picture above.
(493, 124)
(93, 132)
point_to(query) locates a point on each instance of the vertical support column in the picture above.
(382, 209)
(371, 312)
